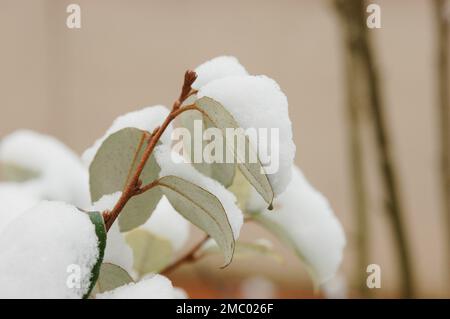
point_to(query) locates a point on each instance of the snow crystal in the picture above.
(217, 68)
(117, 250)
(309, 221)
(154, 287)
(167, 223)
(47, 252)
(62, 176)
(147, 119)
(14, 200)
(172, 163)
(257, 102)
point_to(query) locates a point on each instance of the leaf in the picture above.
(100, 230)
(201, 208)
(16, 173)
(151, 253)
(111, 277)
(244, 250)
(253, 172)
(241, 189)
(112, 167)
(221, 172)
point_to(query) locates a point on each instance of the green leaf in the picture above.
(100, 230)
(201, 208)
(111, 277)
(151, 253)
(13, 172)
(111, 169)
(221, 172)
(253, 172)
(244, 250)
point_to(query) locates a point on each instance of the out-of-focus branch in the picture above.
(358, 40)
(443, 113)
(354, 109)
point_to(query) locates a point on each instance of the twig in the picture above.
(188, 258)
(443, 87)
(354, 13)
(133, 187)
(354, 111)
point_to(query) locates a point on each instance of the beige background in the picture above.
(128, 54)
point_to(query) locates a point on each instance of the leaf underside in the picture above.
(111, 169)
(222, 119)
(111, 277)
(201, 208)
(151, 253)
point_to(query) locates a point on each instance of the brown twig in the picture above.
(355, 100)
(443, 87)
(133, 187)
(353, 13)
(189, 257)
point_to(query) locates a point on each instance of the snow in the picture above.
(146, 119)
(153, 287)
(336, 288)
(167, 223)
(44, 250)
(217, 68)
(309, 221)
(257, 102)
(14, 200)
(172, 163)
(117, 250)
(62, 176)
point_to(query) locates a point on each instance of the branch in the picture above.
(359, 40)
(188, 258)
(443, 84)
(355, 104)
(133, 187)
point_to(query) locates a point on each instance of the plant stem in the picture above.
(353, 12)
(443, 85)
(133, 187)
(355, 103)
(188, 258)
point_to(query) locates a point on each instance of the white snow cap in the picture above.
(117, 251)
(167, 223)
(42, 247)
(154, 287)
(257, 102)
(62, 176)
(217, 68)
(308, 220)
(14, 200)
(147, 119)
(172, 163)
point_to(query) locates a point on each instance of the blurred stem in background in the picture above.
(354, 110)
(358, 48)
(442, 16)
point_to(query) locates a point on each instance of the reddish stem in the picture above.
(133, 187)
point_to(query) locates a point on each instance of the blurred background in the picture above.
(72, 83)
